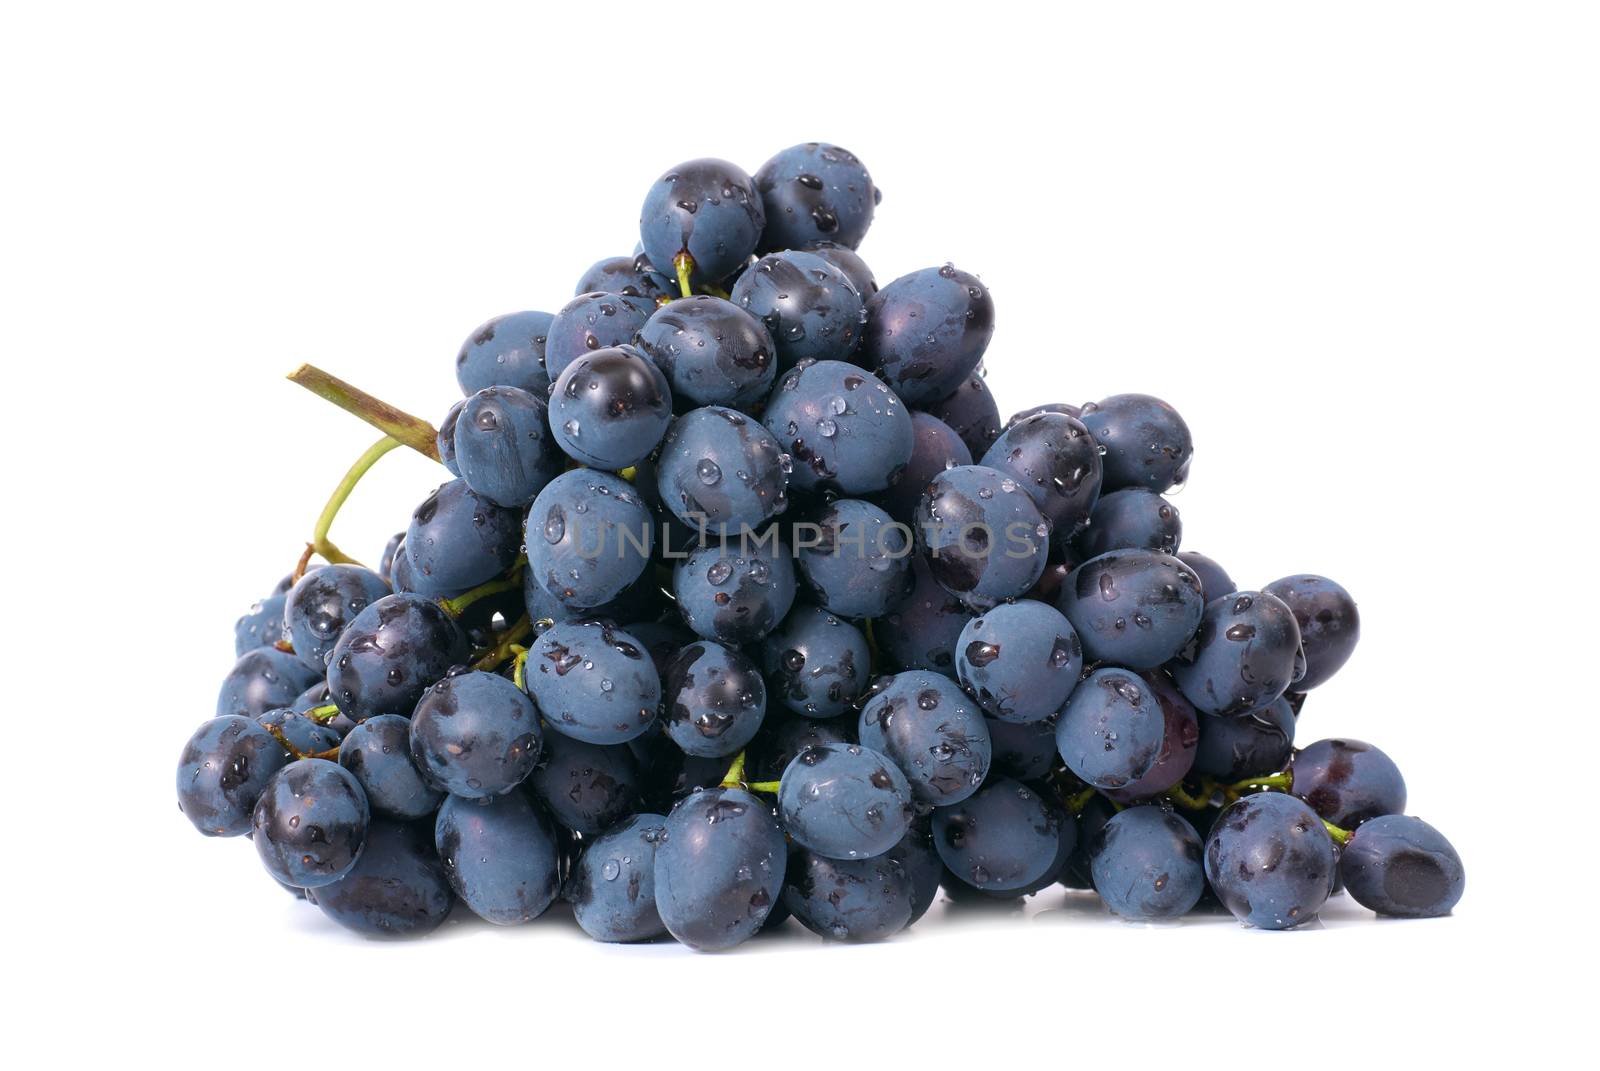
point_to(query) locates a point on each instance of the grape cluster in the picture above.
(742, 604)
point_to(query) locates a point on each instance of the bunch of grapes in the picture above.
(742, 604)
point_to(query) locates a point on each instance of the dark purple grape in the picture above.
(1271, 861)
(984, 538)
(816, 663)
(508, 351)
(1057, 462)
(1214, 579)
(815, 192)
(591, 322)
(707, 208)
(971, 412)
(610, 408)
(927, 331)
(1019, 660)
(1399, 865)
(714, 700)
(1146, 442)
(1245, 654)
(711, 351)
(1348, 782)
(1329, 623)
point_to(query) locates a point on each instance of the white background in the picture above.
(1354, 244)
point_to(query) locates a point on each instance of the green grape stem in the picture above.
(320, 543)
(683, 264)
(324, 714)
(457, 606)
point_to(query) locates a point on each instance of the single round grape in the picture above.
(844, 801)
(503, 445)
(1245, 745)
(984, 538)
(1130, 519)
(714, 700)
(815, 192)
(459, 539)
(719, 868)
(1245, 654)
(631, 276)
(929, 728)
(508, 351)
(1329, 623)
(586, 787)
(707, 208)
(396, 889)
(310, 824)
(935, 448)
(613, 885)
(261, 626)
(390, 654)
(711, 351)
(806, 304)
(1146, 863)
(1057, 462)
(321, 605)
(735, 595)
(1214, 579)
(589, 537)
(1019, 660)
(222, 772)
(475, 734)
(378, 753)
(816, 663)
(1134, 608)
(1348, 782)
(856, 560)
(924, 628)
(850, 899)
(1004, 837)
(1111, 731)
(263, 679)
(591, 322)
(1146, 442)
(846, 431)
(593, 682)
(1270, 861)
(722, 472)
(927, 331)
(1400, 865)
(610, 408)
(971, 412)
(499, 856)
